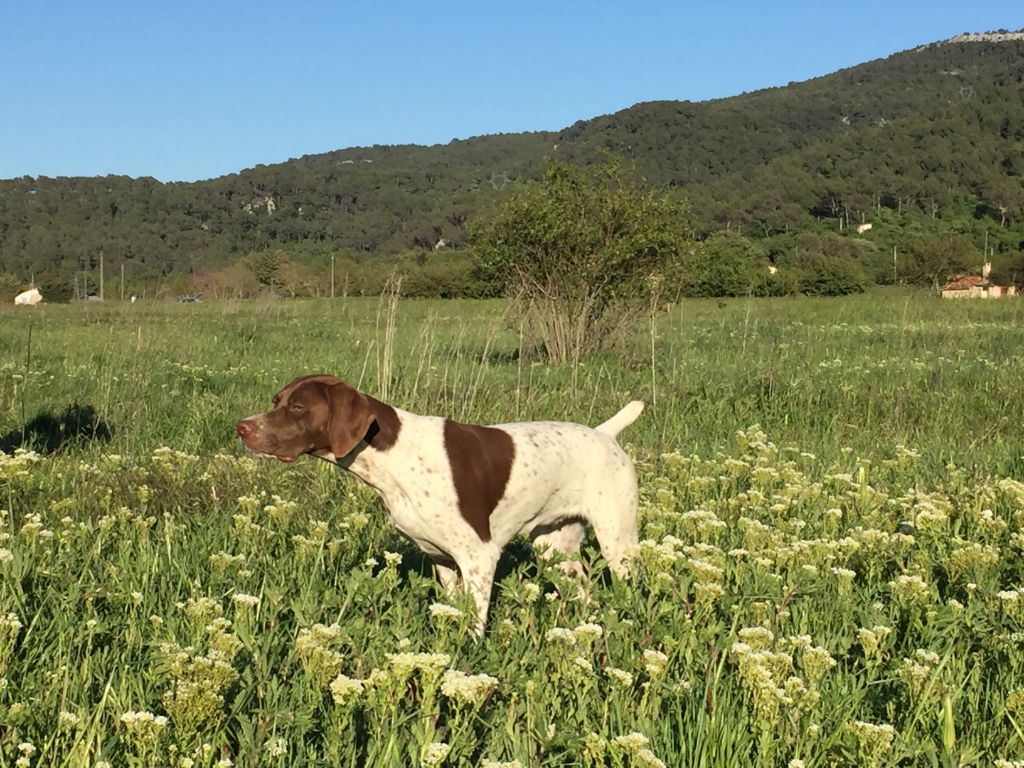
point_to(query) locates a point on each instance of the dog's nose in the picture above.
(243, 428)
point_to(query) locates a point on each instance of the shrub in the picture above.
(579, 251)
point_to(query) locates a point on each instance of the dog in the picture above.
(462, 492)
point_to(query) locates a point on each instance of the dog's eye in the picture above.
(296, 407)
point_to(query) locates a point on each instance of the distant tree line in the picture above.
(927, 146)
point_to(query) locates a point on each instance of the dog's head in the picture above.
(311, 414)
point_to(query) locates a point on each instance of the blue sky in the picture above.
(194, 89)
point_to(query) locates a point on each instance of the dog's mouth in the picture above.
(266, 455)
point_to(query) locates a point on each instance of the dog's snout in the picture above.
(244, 428)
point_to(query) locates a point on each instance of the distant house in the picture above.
(976, 287)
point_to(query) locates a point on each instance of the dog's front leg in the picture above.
(478, 577)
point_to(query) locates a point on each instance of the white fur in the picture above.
(562, 475)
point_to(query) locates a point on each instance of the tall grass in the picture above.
(838, 585)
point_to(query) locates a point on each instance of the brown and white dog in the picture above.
(461, 491)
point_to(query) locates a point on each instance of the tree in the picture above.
(265, 264)
(234, 281)
(579, 250)
(935, 258)
(725, 264)
(834, 276)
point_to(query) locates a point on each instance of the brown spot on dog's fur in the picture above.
(384, 429)
(481, 461)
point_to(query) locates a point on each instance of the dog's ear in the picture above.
(349, 418)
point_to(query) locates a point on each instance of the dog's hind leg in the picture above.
(565, 539)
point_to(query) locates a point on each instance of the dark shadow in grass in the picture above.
(487, 353)
(515, 556)
(518, 557)
(49, 432)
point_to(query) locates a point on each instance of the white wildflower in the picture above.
(631, 742)
(467, 689)
(276, 747)
(582, 663)
(654, 662)
(433, 754)
(588, 632)
(345, 690)
(621, 676)
(444, 611)
(561, 635)
(245, 601)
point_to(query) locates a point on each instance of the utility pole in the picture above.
(894, 265)
(122, 281)
(101, 275)
(332, 275)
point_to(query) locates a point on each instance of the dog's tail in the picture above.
(622, 419)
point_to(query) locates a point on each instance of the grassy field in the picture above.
(832, 510)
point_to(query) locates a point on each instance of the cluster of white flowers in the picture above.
(467, 689)
(845, 578)
(276, 747)
(319, 659)
(816, 661)
(531, 592)
(444, 612)
(433, 754)
(144, 726)
(428, 664)
(16, 466)
(345, 690)
(702, 522)
(871, 640)
(280, 510)
(620, 676)
(561, 635)
(583, 664)
(873, 741)
(767, 674)
(917, 671)
(10, 625)
(910, 589)
(970, 559)
(635, 744)
(654, 662)
(588, 632)
(171, 460)
(242, 600)
(27, 749)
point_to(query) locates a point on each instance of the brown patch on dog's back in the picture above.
(481, 461)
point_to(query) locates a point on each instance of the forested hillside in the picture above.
(926, 143)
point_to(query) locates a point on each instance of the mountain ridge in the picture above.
(947, 118)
